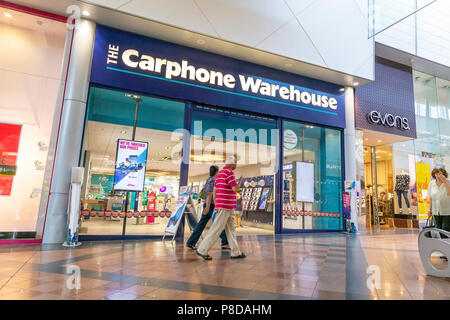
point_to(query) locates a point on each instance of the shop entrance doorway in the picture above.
(387, 192)
(218, 133)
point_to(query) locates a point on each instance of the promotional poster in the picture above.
(423, 174)
(9, 147)
(177, 213)
(131, 161)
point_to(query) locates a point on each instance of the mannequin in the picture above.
(402, 181)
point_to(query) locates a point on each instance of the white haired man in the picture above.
(225, 190)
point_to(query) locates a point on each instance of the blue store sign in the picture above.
(133, 62)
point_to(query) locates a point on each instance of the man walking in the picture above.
(208, 209)
(225, 189)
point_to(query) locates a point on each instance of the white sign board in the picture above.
(304, 181)
(131, 159)
(290, 139)
(177, 213)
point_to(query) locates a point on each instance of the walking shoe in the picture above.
(190, 246)
(204, 256)
(226, 247)
(241, 256)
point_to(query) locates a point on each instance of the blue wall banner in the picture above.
(132, 62)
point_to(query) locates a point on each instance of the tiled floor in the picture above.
(311, 266)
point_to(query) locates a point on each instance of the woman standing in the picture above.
(439, 192)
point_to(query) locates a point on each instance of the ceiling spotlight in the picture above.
(379, 141)
(8, 15)
(134, 97)
(123, 132)
(85, 13)
(201, 41)
(342, 89)
(355, 83)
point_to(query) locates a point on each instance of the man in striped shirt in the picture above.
(225, 190)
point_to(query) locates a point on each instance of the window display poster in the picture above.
(346, 205)
(151, 203)
(148, 182)
(101, 184)
(423, 177)
(131, 160)
(264, 198)
(9, 146)
(304, 181)
(413, 160)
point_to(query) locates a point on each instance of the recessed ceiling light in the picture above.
(201, 41)
(355, 83)
(8, 15)
(288, 65)
(39, 22)
(412, 60)
(123, 132)
(367, 139)
(85, 13)
(342, 89)
(379, 141)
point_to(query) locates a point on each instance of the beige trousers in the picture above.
(224, 220)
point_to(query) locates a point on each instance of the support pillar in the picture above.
(350, 149)
(70, 130)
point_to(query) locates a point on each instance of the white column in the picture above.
(70, 130)
(350, 148)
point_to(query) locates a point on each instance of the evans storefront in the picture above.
(191, 109)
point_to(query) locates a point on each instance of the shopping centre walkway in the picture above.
(324, 266)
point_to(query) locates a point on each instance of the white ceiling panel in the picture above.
(297, 6)
(108, 3)
(246, 22)
(341, 41)
(363, 6)
(237, 28)
(300, 46)
(181, 13)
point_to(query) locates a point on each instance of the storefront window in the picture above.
(312, 177)
(31, 54)
(110, 118)
(432, 146)
(217, 133)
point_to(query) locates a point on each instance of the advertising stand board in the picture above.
(184, 206)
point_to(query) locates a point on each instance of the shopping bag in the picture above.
(213, 216)
(431, 223)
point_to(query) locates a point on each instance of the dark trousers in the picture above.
(399, 198)
(193, 239)
(442, 222)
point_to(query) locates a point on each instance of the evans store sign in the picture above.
(146, 65)
(387, 104)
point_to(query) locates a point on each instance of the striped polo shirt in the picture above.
(225, 196)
